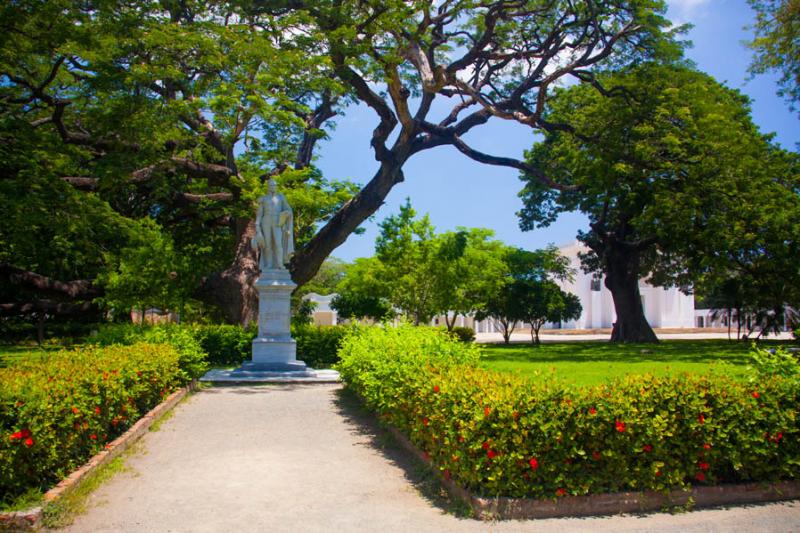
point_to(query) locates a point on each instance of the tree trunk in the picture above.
(622, 279)
(450, 325)
(232, 289)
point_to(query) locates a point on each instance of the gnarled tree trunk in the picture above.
(622, 279)
(232, 290)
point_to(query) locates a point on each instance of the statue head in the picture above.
(272, 187)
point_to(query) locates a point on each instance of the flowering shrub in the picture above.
(55, 413)
(501, 434)
(192, 357)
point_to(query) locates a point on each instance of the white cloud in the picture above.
(682, 11)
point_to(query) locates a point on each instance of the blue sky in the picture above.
(456, 191)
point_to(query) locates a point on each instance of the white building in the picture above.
(663, 308)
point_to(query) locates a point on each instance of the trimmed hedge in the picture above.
(56, 412)
(227, 345)
(503, 435)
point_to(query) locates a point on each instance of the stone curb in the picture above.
(32, 518)
(610, 503)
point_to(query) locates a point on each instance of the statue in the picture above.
(274, 230)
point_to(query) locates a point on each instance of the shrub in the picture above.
(224, 344)
(778, 361)
(57, 412)
(503, 435)
(464, 334)
(318, 346)
(192, 359)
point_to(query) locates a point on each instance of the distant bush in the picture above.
(225, 345)
(463, 334)
(56, 412)
(318, 346)
(501, 434)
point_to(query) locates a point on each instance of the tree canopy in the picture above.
(180, 111)
(776, 45)
(662, 170)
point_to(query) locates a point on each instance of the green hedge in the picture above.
(56, 412)
(226, 345)
(503, 435)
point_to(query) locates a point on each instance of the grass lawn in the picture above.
(11, 353)
(590, 363)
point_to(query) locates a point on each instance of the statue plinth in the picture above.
(274, 349)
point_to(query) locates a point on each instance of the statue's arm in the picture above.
(259, 237)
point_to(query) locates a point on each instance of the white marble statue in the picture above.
(274, 238)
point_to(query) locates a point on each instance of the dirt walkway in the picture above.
(305, 458)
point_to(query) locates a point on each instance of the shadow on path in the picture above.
(363, 423)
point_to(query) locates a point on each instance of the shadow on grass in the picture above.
(672, 351)
(419, 475)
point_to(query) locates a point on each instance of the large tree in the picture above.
(181, 110)
(776, 44)
(661, 170)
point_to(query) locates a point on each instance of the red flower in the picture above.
(756, 394)
(592, 411)
(596, 456)
(491, 454)
(75, 411)
(703, 465)
(486, 445)
(700, 476)
(436, 388)
(647, 448)
(93, 436)
(778, 436)
(139, 373)
(706, 446)
(461, 438)
(97, 410)
(515, 415)
(561, 492)
(534, 463)
(425, 421)
(17, 435)
(29, 442)
(701, 418)
(25, 433)
(658, 473)
(486, 411)
(620, 426)
(446, 473)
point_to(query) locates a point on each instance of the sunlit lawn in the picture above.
(12, 353)
(590, 363)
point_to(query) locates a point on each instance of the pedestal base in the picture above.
(274, 350)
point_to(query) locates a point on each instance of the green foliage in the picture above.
(777, 44)
(503, 435)
(192, 358)
(524, 291)
(463, 334)
(766, 363)
(58, 411)
(318, 346)
(224, 344)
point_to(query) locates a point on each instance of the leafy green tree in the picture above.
(662, 171)
(539, 302)
(527, 292)
(362, 293)
(776, 45)
(181, 110)
(145, 275)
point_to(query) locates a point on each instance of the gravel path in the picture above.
(305, 458)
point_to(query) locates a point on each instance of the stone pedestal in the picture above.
(274, 347)
(274, 351)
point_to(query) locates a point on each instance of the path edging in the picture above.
(32, 518)
(609, 503)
